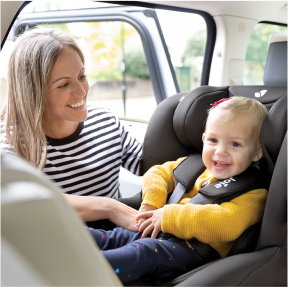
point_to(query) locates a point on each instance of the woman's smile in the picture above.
(77, 106)
(66, 96)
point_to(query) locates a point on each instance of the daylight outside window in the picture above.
(257, 51)
(116, 65)
(185, 37)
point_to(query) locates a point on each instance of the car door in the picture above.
(132, 100)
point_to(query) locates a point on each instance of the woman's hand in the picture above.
(123, 215)
(91, 208)
(152, 222)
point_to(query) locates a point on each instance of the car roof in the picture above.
(271, 11)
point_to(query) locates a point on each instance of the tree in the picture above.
(257, 48)
(136, 65)
(195, 47)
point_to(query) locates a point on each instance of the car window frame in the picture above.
(77, 15)
(210, 39)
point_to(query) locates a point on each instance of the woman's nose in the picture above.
(79, 90)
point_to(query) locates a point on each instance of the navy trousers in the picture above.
(132, 257)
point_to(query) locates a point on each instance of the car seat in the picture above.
(175, 131)
(43, 241)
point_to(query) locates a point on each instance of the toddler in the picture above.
(231, 144)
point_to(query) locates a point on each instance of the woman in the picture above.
(48, 123)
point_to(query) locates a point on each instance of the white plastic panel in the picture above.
(8, 10)
(230, 49)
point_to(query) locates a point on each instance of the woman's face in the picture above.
(67, 89)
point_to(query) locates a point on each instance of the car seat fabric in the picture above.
(190, 112)
(276, 64)
(176, 127)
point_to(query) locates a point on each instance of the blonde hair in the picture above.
(30, 65)
(245, 107)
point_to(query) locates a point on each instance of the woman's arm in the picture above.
(92, 208)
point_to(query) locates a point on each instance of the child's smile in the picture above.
(218, 165)
(230, 145)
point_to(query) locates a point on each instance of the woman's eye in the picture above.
(235, 144)
(63, 86)
(82, 78)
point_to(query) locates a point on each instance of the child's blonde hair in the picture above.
(245, 107)
(31, 62)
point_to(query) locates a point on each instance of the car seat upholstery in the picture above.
(43, 241)
(175, 131)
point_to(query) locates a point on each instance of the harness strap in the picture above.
(177, 193)
(220, 191)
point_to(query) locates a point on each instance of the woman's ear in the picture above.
(258, 154)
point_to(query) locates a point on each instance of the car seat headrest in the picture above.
(191, 113)
(273, 132)
(276, 64)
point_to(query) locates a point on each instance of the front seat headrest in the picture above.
(275, 73)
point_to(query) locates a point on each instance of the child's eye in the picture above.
(213, 140)
(235, 144)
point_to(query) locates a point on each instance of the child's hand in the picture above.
(143, 208)
(152, 223)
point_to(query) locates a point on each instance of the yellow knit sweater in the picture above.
(214, 224)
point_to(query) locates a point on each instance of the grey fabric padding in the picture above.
(275, 73)
(161, 143)
(274, 227)
(189, 170)
(191, 113)
(175, 130)
(273, 131)
(235, 270)
(271, 95)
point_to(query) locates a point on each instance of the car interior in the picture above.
(45, 243)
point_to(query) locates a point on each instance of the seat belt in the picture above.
(187, 172)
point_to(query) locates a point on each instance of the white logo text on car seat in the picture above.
(260, 94)
(224, 182)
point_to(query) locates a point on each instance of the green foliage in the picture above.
(109, 74)
(257, 48)
(256, 52)
(195, 47)
(136, 65)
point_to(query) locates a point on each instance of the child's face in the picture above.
(229, 145)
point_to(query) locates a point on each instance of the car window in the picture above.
(116, 64)
(116, 67)
(186, 46)
(256, 53)
(4, 57)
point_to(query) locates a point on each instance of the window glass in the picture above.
(51, 5)
(116, 67)
(185, 37)
(256, 53)
(4, 58)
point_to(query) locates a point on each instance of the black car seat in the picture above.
(175, 131)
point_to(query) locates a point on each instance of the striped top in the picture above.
(88, 161)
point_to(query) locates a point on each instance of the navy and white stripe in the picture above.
(88, 162)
